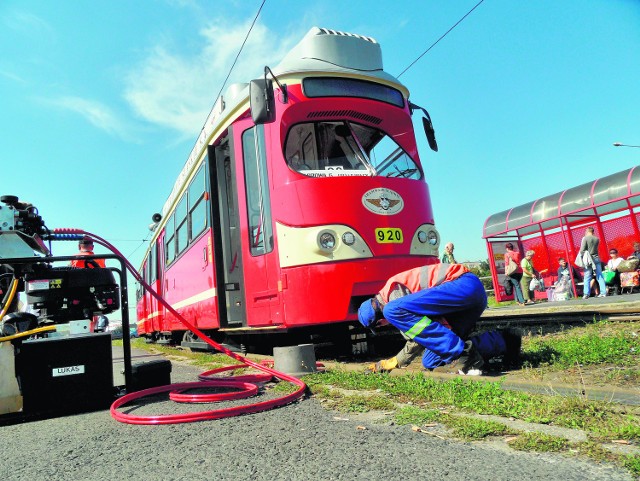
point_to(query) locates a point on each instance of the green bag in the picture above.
(608, 276)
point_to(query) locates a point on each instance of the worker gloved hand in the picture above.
(385, 365)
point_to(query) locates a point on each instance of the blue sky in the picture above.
(102, 101)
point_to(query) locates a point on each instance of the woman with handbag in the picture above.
(513, 271)
(528, 274)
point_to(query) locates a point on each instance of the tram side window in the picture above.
(152, 263)
(170, 242)
(257, 188)
(344, 148)
(197, 204)
(145, 278)
(182, 229)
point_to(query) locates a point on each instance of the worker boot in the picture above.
(386, 365)
(513, 343)
(470, 361)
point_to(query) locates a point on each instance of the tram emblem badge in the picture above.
(383, 201)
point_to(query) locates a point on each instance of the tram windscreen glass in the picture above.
(343, 148)
(344, 87)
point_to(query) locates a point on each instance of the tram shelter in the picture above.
(553, 226)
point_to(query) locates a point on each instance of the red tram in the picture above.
(303, 194)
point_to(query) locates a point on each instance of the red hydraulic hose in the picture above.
(176, 390)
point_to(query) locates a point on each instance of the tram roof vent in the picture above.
(323, 49)
(328, 31)
(346, 113)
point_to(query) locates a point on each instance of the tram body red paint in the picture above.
(269, 194)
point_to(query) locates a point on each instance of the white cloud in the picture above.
(96, 113)
(12, 76)
(28, 23)
(177, 91)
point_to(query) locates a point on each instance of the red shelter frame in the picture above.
(553, 226)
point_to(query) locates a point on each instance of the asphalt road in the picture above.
(302, 441)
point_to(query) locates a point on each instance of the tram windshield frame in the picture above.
(341, 148)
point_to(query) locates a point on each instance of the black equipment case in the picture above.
(150, 374)
(65, 374)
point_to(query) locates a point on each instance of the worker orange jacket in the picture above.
(420, 278)
(85, 264)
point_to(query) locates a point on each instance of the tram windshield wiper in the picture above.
(402, 173)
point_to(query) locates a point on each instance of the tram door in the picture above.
(248, 286)
(158, 321)
(226, 234)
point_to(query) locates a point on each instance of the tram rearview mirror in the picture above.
(430, 133)
(262, 101)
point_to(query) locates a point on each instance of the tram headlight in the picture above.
(327, 240)
(422, 236)
(348, 238)
(433, 237)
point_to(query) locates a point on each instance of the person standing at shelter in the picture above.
(447, 257)
(591, 262)
(514, 277)
(636, 250)
(86, 249)
(435, 307)
(528, 274)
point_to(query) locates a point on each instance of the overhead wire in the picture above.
(146, 239)
(441, 37)
(238, 54)
(224, 83)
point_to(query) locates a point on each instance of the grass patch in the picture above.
(354, 403)
(492, 303)
(284, 387)
(463, 427)
(475, 429)
(545, 443)
(359, 403)
(623, 375)
(417, 416)
(632, 463)
(539, 442)
(596, 452)
(596, 343)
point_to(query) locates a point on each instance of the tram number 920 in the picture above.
(389, 235)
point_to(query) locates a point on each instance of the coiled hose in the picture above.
(177, 390)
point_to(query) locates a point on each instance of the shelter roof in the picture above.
(599, 197)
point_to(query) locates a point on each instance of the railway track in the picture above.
(573, 312)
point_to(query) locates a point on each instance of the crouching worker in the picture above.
(435, 307)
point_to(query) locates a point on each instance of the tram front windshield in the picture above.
(335, 149)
